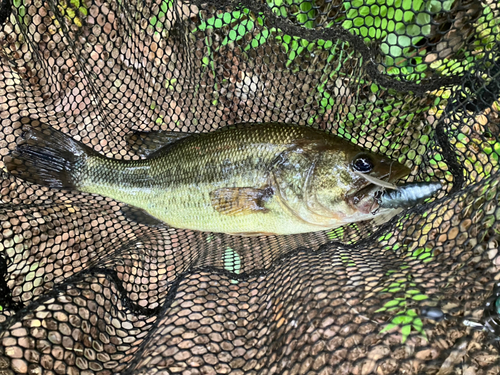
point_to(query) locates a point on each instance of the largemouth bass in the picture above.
(249, 179)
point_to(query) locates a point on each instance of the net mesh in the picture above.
(86, 290)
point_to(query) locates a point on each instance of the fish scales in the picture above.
(249, 179)
(183, 178)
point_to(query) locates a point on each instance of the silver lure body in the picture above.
(408, 195)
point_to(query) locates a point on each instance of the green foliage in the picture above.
(347, 260)
(336, 234)
(339, 233)
(156, 21)
(404, 318)
(488, 33)
(386, 237)
(398, 25)
(406, 321)
(73, 11)
(304, 11)
(306, 15)
(424, 254)
(21, 12)
(337, 52)
(410, 293)
(243, 23)
(232, 262)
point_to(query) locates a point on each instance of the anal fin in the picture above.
(140, 216)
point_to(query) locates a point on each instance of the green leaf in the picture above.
(398, 15)
(364, 11)
(405, 332)
(423, 19)
(411, 312)
(413, 291)
(232, 261)
(417, 5)
(218, 23)
(402, 319)
(258, 40)
(388, 327)
(392, 303)
(417, 323)
(419, 297)
(232, 36)
(404, 41)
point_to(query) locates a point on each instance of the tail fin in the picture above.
(49, 158)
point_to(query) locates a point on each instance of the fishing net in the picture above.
(84, 289)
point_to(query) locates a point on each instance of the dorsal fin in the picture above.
(147, 143)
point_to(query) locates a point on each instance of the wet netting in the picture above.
(84, 289)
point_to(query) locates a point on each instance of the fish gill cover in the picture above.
(84, 289)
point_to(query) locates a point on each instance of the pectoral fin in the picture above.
(240, 201)
(147, 143)
(383, 218)
(140, 216)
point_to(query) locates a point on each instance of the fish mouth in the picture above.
(365, 199)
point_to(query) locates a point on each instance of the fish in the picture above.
(247, 179)
(408, 195)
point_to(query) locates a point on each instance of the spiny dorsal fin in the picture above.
(147, 143)
(240, 201)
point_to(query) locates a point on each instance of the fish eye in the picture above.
(362, 164)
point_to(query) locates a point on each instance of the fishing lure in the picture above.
(407, 195)
(433, 313)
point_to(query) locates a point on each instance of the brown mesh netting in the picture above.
(85, 289)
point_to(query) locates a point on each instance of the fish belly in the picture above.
(175, 185)
(192, 209)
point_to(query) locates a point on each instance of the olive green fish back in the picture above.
(85, 290)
